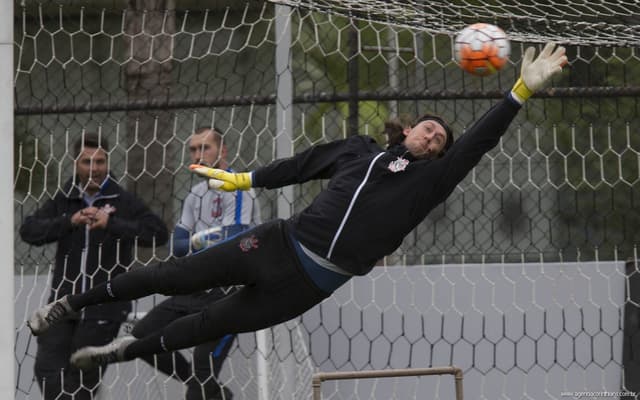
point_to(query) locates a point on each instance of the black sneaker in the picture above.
(95, 356)
(48, 315)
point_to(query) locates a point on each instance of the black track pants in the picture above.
(276, 289)
(201, 377)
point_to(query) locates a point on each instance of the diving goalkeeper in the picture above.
(374, 198)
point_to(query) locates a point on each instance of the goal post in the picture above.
(320, 377)
(7, 335)
(517, 279)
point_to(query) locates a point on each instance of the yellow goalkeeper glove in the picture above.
(223, 180)
(534, 74)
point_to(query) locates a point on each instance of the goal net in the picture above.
(525, 278)
(605, 23)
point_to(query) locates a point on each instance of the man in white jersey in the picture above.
(208, 217)
(211, 215)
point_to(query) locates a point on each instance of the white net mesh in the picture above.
(519, 278)
(605, 23)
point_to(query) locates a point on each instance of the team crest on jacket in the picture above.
(399, 164)
(248, 243)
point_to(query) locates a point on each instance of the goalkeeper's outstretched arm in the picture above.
(486, 132)
(317, 162)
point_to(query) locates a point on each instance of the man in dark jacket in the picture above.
(373, 199)
(96, 224)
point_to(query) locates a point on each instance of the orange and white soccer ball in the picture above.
(482, 49)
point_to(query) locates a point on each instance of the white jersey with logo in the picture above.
(205, 208)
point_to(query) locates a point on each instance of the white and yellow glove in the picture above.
(223, 180)
(534, 74)
(206, 238)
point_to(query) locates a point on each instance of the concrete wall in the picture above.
(534, 329)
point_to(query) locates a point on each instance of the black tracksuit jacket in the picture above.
(367, 209)
(85, 258)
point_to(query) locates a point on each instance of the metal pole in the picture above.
(7, 381)
(316, 382)
(353, 77)
(319, 377)
(458, 382)
(393, 67)
(284, 148)
(284, 100)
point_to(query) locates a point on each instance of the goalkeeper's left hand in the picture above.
(223, 180)
(534, 74)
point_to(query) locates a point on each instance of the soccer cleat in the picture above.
(48, 315)
(96, 356)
